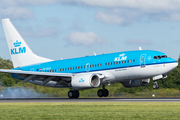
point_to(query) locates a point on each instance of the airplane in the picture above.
(131, 68)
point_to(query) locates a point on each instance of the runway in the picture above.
(17, 100)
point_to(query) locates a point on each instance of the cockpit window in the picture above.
(155, 57)
(160, 56)
(164, 56)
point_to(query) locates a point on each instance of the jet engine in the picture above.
(136, 83)
(85, 81)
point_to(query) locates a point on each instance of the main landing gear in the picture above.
(73, 94)
(155, 85)
(103, 92)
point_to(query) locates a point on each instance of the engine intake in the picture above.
(95, 81)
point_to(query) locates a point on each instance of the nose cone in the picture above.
(172, 64)
(175, 64)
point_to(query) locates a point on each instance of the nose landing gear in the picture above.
(103, 92)
(155, 85)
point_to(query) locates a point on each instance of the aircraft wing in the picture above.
(35, 73)
(43, 77)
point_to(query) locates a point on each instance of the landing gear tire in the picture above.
(106, 93)
(76, 94)
(155, 86)
(70, 94)
(103, 93)
(100, 93)
(73, 94)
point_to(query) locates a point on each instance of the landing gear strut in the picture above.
(73, 94)
(155, 85)
(103, 92)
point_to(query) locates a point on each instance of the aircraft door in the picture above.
(87, 67)
(143, 60)
(32, 69)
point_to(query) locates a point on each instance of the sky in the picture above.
(58, 29)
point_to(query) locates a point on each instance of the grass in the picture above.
(95, 110)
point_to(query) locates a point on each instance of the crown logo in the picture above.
(81, 80)
(122, 54)
(17, 44)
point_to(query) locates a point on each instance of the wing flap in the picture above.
(41, 77)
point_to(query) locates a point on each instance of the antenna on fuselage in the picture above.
(94, 53)
(140, 48)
